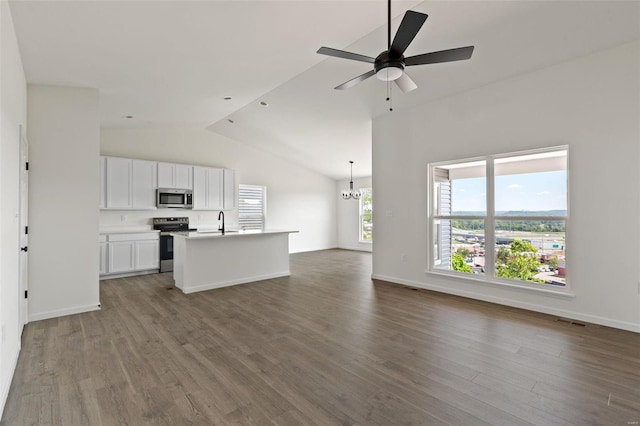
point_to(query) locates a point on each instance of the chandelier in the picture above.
(351, 193)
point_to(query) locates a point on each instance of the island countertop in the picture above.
(231, 233)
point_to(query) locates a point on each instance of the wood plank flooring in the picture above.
(324, 346)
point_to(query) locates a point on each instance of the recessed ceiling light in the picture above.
(230, 120)
(264, 104)
(227, 98)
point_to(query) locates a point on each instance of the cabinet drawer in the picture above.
(134, 236)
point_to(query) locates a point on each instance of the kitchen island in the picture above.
(208, 260)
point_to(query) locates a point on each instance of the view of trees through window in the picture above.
(366, 215)
(527, 221)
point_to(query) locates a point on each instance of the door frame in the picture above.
(23, 273)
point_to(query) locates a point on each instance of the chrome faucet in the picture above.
(221, 215)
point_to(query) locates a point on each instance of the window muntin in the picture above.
(366, 216)
(526, 195)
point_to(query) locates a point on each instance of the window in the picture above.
(366, 215)
(251, 206)
(501, 218)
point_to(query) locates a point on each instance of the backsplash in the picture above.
(142, 218)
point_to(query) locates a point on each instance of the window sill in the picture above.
(524, 287)
(366, 242)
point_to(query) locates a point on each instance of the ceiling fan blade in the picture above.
(409, 27)
(405, 83)
(345, 55)
(458, 54)
(356, 80)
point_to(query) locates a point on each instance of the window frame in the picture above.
(490, 219)
(263, 217)
(361, 214)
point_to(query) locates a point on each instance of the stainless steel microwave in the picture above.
(174, 198)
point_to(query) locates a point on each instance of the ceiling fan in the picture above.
(390, 64)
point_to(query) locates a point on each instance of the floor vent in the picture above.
(572, 322)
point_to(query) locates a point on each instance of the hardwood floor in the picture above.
(323, 346)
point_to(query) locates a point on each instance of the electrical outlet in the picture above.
(123, 218)
(199, 217)
(403, 257)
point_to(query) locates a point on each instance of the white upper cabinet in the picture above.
(199, 188)
(119, 188)
(127, 184)
(179, 176)
(229, 189)
(145, 177)
(184, 176)
(207, 188)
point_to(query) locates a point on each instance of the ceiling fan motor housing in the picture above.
(385, 61)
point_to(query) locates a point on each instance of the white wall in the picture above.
(64, 144)
(349, 216)
(297, 198)
(590, 104)
(13, 109)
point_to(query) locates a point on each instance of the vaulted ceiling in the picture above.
(171, 63)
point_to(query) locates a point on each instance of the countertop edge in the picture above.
(206, 235)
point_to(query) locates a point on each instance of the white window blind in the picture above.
(251, 201)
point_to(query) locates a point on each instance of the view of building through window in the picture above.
(522, 234)
(366, 215)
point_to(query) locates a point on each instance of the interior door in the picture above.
(24, 233)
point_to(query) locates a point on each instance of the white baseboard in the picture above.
(6, 385)
(594, 319)
(221, 284)
(63, 312)
(128, 274)
(355, 248)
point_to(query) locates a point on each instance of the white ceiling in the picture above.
(170, 63)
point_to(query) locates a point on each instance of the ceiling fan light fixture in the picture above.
(389, 73)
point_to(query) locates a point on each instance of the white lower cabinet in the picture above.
(146, 255)
(103, 254)
(129, 253)
(121, 257)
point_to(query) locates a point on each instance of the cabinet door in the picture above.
(103, 182)
(199, 188)
(121, 256)
(103, 259)
(166, 175)
(119, 183)
(147, 254)
(214, 189)
(229, 190)
(183, 176)
(144, 184)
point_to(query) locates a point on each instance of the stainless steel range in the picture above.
(167, 225)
